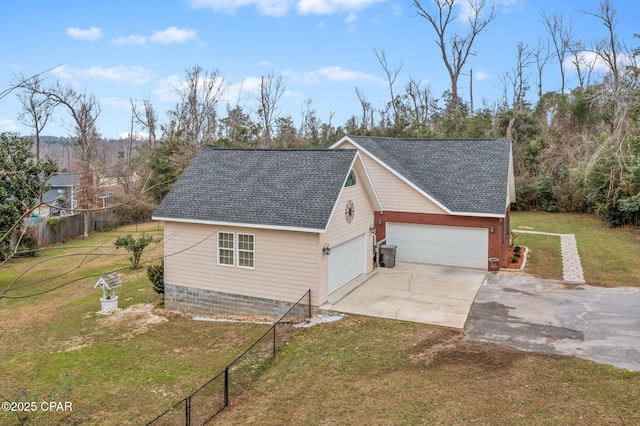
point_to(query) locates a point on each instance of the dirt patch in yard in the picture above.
(447, 346)
(137, 317)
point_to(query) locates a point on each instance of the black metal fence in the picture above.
(214, 396)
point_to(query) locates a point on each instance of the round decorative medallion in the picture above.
(349, 211)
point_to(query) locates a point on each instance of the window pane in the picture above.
(225, 240)
(225, 248)
(245, 242)
(246, 250)
(226, 257)
(245, 258)
(351, 180)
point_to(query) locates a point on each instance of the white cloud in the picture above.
(281, 7)
(501, 6)
(334, 73)
(120, 73)
(91, 34)
(169, 88)
(7, 125)
(326, 7)
(166, 90)
(481, 75)
(264, 7)
(341, 75)
(173, 35)
(117, 102)
(243, 92)
(132, 39)
(264, 64)
(351, 18)
(588, 59)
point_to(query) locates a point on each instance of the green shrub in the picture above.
(156, 276)
(134, 246)
(53, 222)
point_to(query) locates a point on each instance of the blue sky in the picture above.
(134, 49)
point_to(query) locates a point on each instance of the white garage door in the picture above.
(440, 245)
(346, 261)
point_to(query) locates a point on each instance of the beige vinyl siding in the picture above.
(395, 194)
(286, 262)
(339, 231)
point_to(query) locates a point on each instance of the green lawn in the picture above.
(609, 256)
(125, 368)
(370, 371)
(128, 367)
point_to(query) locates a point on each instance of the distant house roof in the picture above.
(59, 182)
(272, 188)
(463, 175)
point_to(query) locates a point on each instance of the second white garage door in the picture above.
(346, 261)
(440, 245)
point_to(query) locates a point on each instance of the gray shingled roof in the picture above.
(465, 175)
(281, 188)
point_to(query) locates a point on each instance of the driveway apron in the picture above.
(531, 314)
(429, 294)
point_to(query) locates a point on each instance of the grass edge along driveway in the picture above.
(608, 255)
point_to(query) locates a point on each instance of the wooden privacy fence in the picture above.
(55, 230)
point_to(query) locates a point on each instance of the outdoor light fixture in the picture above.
(492, 229)
(372, 229)
(379, 221)
(326, 250)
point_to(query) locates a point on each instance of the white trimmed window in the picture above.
(246, 250)
(351, 179)
(225, 248)
(236, 250)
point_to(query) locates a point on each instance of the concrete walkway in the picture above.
(532, 314)
(571, 265)
(429, 294)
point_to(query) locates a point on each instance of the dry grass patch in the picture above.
(368, 371)
(118, 369)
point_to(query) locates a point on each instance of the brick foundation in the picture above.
(499, 239)
(208, 302)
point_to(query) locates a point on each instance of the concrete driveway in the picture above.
(430, 294)
(595, 323)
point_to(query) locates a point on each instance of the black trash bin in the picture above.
(388, 255)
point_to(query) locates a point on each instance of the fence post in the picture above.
(309, 293)
(274, 339)
(226, 386)
(187, 411)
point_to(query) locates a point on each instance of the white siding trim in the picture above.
(239, 225)
(370, 185)
(398, 175)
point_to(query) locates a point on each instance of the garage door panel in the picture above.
(442, 245)
(346, 261)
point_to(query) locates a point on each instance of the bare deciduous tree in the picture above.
(457, 48)
(542, 55)
(561, 37)
(608, 48)
(195, 118)
(367, 110)
(392, 75)
(84, 110)
(271, 90)
(147, 118)
(36, 108)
